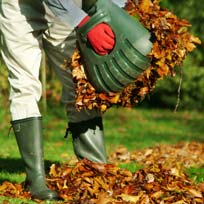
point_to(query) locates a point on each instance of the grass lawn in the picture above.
(133, 128)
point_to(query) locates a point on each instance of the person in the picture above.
(27, 27)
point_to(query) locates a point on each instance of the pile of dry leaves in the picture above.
(171, 45)
(161, 181)
(107, 184)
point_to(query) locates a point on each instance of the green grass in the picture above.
(196, 174)
(133, 128)
(141, 128)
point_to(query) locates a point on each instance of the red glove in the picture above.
(101, 37)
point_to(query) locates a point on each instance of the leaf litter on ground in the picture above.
(162, 179)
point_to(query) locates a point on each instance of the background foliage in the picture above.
(165, 94)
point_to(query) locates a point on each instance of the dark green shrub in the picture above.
(191, 96)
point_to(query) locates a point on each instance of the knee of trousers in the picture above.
(24, 107)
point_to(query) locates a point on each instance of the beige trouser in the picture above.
(28, 26)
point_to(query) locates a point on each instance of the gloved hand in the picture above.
(101, 37)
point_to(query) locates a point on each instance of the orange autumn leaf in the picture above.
(145, 5)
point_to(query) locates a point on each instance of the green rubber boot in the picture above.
(88, 140)
(28, 134)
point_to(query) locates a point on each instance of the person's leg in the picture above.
(28, 134)
(20, 25)
(59, 43)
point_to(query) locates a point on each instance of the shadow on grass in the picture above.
(13, 166)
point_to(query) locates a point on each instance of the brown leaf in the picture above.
(129, 198)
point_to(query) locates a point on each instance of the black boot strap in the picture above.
(81, 127)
